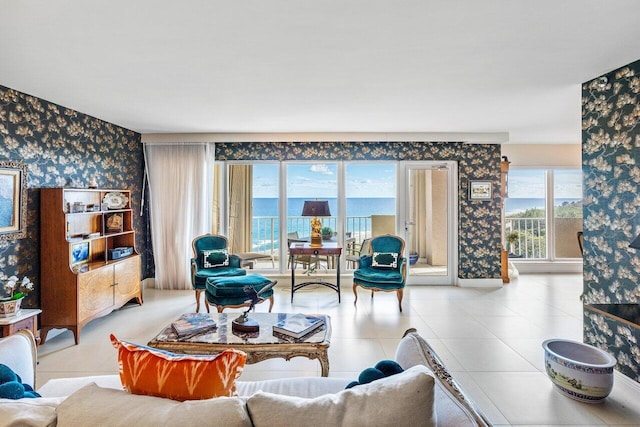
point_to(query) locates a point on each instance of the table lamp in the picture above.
(316, 208)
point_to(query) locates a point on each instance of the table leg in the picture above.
(323, 357)
(337, 262)
(293, 274)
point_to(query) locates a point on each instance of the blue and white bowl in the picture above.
(578, 370)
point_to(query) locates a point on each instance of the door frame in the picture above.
(403, 191)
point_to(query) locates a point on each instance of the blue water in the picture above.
(356, 207)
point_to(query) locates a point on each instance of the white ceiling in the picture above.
(158, 66)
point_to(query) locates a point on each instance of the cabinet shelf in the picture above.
(84, 284)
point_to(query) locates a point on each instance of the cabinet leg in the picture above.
(43, 333)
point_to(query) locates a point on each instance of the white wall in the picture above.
(544, 154)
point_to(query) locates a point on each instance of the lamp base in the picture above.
(316, 241)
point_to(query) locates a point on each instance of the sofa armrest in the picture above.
(451, 402)
(18, 352)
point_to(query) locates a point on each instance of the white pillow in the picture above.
(96, 406)
(405, 399)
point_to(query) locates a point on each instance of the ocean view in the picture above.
(357, 207)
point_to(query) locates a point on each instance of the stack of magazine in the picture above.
(298, 325)
(192, 324)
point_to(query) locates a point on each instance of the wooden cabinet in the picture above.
(80, 277)
(504, 255)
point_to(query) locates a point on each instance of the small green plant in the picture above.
(326, 231)
(513, 237)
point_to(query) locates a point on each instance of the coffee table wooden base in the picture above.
(258, 346)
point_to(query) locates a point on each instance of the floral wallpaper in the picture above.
(618, 338)
(611, 182)
(64, 148)
(479, 221)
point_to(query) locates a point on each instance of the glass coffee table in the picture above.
(258, 346)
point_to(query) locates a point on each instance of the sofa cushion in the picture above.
(405, 399)
(146, 370)
(63, 387)
(95, 406)
(307, 387)
(29, 412)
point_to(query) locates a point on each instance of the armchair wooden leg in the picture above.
(355, 293)
(206, 304)
(198, 292)
(220, 308)
(270, 303)
(371, 294)
(400, 292)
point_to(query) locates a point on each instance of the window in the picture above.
(543, 213)
(567, 212)
(361, 196)
(370, 199)
(311, 181)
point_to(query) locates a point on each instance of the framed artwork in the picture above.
(480, 190)
(114, 222)
(13, 200)
(79, 253)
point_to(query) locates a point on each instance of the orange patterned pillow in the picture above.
(146, 370)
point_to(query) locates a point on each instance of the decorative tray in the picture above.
(116, 200)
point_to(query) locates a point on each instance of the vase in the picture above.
(10, 308)
(579, 371)
(413, 258)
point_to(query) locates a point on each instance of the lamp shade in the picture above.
(636, 243)
(316, 208)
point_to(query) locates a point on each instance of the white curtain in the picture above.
(180, 182)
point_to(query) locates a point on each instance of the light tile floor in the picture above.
(490, 339)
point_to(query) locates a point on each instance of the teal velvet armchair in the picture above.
(211, 258)
(383, 268)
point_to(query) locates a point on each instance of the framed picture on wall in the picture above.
(480, 190)
(13, 200)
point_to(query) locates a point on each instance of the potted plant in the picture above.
(12, 292)
(512, 238)
(326, 232)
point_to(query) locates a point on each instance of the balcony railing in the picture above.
(266, 234)
(531, 242)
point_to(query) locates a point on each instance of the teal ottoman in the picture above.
(228, 292)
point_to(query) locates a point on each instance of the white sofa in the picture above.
(425, 394)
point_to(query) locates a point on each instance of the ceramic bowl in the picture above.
(578, 370)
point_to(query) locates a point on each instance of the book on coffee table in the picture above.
(298, 325)
(192, 324)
